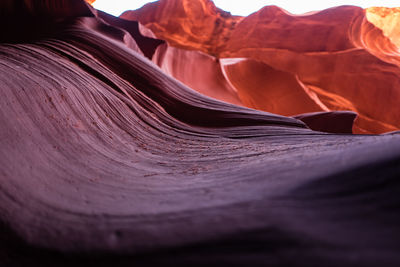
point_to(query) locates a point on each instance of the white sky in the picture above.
(245, 7)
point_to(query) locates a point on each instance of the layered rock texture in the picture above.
(343, 58)
(106, 158)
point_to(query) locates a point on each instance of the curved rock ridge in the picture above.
(342, 58)
(146, 44)
(105, 157)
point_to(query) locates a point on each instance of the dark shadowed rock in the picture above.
(330, 122)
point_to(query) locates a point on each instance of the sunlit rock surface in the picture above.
(388, 20)
(106, 160)
(343, 58)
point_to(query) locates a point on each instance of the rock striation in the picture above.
(107, 159)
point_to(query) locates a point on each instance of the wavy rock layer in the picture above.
(336, 58)
(103, 156)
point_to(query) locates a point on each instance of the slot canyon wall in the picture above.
(108, 155)
(332, 60)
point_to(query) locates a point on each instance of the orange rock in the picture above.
(194, 25)
(336, 58)
(197, 70)
(388, 20)
(262, 87)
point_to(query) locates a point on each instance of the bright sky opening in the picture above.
(246, 7)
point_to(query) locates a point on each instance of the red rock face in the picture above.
(197, 70)
(105, 159)
(331, 60)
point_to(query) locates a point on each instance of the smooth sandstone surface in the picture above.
(343, 58)
(105, 159)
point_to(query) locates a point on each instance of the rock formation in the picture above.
(334, 60)
(106, 159)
